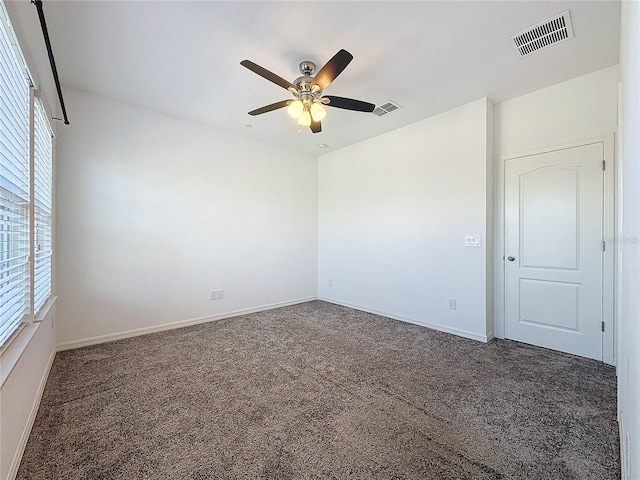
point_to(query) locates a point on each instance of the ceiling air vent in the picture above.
(385, 108)
(545, 34)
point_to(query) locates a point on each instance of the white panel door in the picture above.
(553, 249)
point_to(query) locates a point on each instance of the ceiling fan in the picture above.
(307, 90)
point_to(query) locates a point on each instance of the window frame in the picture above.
(38, 199)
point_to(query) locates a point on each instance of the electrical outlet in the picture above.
(331, 283)
(220, 294)
(452, 304)
(473, 241)
(214, 295)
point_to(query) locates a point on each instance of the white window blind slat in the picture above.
(42, 202)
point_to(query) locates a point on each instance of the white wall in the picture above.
(22, 389)
(629, 245)
(574, 110)
(579, 109)
(154, 212)
(393, 214)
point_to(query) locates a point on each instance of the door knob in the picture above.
(511, 258)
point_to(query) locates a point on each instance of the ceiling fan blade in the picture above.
(268, 108)
(332, 69)
(349, 104)
(316, 127)
(264, 73)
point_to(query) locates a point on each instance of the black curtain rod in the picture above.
(54, 70)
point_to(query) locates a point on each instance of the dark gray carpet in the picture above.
(317, 391)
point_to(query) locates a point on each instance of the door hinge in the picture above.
(604, 245)
(603, 326)
(604, 165)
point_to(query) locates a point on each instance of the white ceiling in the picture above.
(182, 58)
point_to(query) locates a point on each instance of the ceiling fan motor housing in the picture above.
(305, 92)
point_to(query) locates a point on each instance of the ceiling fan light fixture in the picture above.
(295, 108)
(304, 119)
(317, 112)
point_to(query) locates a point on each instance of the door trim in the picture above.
(609, 313)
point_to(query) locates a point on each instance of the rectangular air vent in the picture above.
(385, 108)
(544, 34)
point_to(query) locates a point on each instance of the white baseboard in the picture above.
(17, 458)
(110, 337)
(440, 328)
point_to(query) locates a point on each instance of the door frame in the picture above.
(609, 310)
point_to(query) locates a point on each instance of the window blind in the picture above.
(14, 188)
(42, 204)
